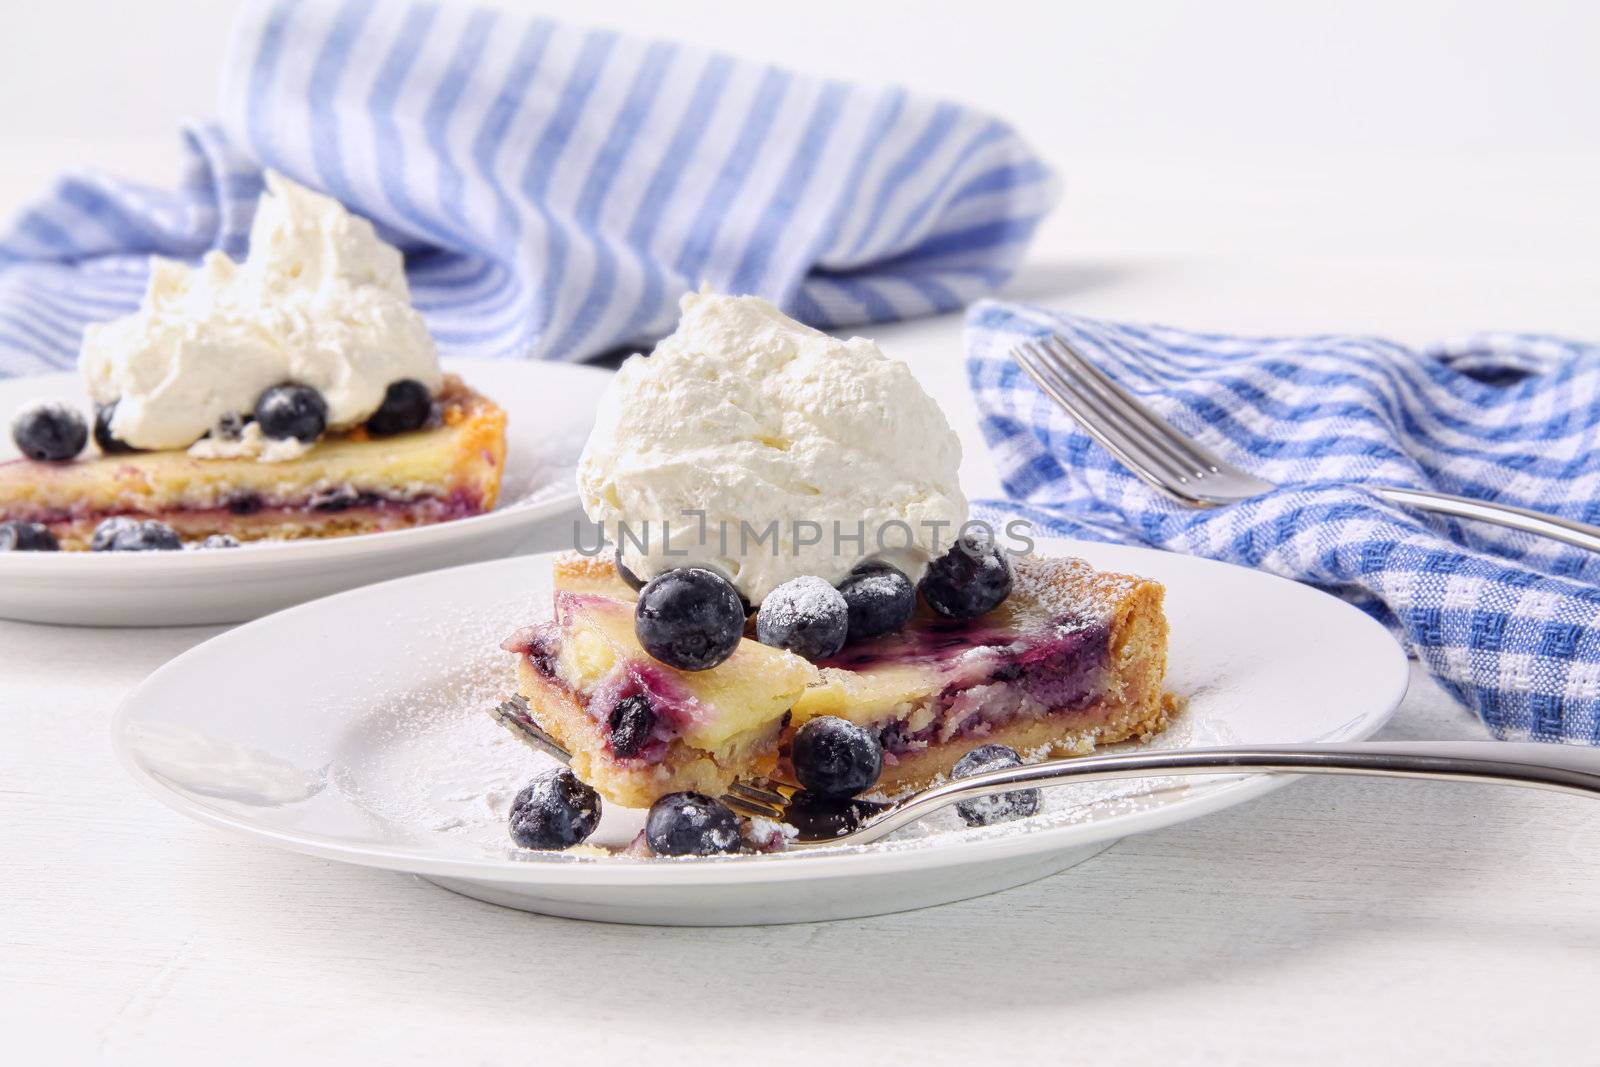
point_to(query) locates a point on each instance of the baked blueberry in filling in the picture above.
(640, 710)
(635, 704)
(630, 724)
(538, 643)
(341, 499)
(244, 503)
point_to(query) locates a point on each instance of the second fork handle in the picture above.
(1573, 533)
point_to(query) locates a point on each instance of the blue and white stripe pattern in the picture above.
(555, 189)
(1509, 624)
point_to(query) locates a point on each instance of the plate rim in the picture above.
(58, 565)
(567, 870)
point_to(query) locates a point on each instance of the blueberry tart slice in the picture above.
(368, 479)
(1065, 658)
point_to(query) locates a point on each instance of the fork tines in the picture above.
(514, 715)
(1137, 437)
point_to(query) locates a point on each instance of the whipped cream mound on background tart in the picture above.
(296, 394)
(321, 301)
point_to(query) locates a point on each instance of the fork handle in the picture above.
(1564, 768)
(1573, 533)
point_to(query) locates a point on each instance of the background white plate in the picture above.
(353, 728)
(549, 408)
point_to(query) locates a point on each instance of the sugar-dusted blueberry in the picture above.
(880, 598)
(555, 810)
(27, 537)
(220, 541)
(123, 534)
(50, 431)
(155, 536)
(689, 618)
(630, 724)
(406, 407)
(109, 530)
(998, 807)
(834, 758)
(109, 442)
(630, 579)
(806, 616)
(971, 579)
(290, 410)
(691, 824)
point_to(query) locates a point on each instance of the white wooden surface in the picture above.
(1337, 921)
(1334, 921)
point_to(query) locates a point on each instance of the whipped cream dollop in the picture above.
(319, 301)
(753, 419)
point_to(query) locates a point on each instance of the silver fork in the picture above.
(759, 796)
(1562, 768)
(1193, 475)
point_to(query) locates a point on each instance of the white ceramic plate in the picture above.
(549, 408)
(353, 728)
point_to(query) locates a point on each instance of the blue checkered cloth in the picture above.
(555, 189)
(1506, 622)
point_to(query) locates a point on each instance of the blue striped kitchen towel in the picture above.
(1506, 622)
(555, 189)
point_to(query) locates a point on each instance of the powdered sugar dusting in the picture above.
(801, 599)
(426, 764)
(1067, 586)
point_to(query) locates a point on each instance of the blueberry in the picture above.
(50, 431)
(27, 537)
(245, 502)
(689, 618)
(555, 810)
(109, 442)
(805, 615)
(999, 807)
(881, 600)
(220, 541)
(834, 758)
(122, 534)
(296, 411)
(334, 500)
(969, 580)
(406, 406)
(630, 579)
(111, 529)
(231, 426)
(691, 824)
(629, 724)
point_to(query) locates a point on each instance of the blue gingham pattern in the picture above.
(555, 189)
(1506, 622)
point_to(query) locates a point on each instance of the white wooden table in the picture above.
(1330, 922)
(1336, 921)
